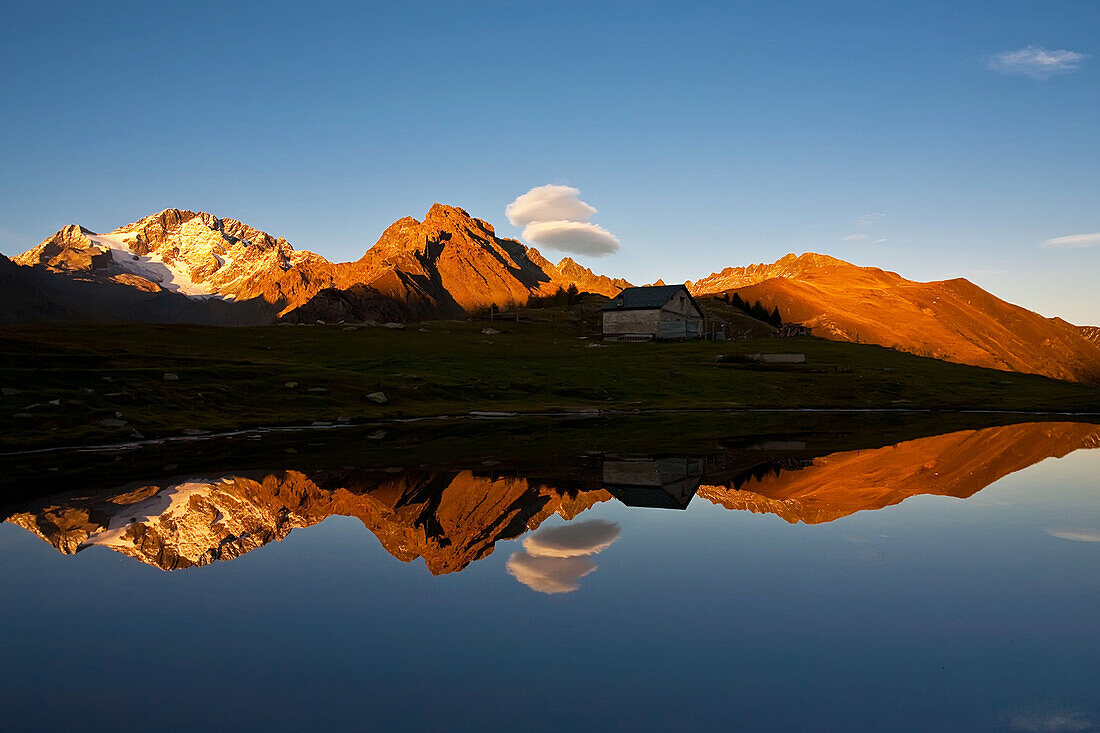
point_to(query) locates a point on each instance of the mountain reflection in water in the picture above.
(452, 518)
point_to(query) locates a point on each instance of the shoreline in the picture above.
(486, 416)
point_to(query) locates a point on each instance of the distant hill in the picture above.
(953, 320)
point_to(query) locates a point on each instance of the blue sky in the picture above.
(705, 136)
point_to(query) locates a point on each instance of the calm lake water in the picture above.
(948, 582)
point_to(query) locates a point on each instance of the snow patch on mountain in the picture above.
(151, 266)
(168, 504)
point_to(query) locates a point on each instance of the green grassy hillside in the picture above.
(61, 383)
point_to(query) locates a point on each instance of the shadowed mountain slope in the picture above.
(34, 295)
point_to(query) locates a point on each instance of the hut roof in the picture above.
(646, 298)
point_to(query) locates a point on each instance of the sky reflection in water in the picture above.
(814, 604)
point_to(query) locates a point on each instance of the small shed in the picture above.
(655, 312)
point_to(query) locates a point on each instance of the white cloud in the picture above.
(554, 217)
(571, 540)
(1073, 241)
(1036, 62)
(854, 237)
(575, 237)
(548, 203)
(1076, 535)
(553, 560)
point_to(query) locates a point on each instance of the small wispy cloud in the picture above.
(1054, 721)
(1072, 241)
(1036, 62)
(863, 223)
(1076, 535)
(553, 216)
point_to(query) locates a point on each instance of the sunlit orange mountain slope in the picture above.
(953, 320)
(956, 464)
(457, 263)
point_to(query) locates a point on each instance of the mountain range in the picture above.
(181, 266)
(453, 518)
(445, 265)
(449, 519)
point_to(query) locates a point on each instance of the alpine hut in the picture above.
(653, 312)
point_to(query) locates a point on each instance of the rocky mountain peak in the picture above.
(68, 249)
(789, 266)
(813, 259)
(441, 227)
(443, 214)
(149, 233)
(570, 271)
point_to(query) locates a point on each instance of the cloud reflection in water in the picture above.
(555, 559)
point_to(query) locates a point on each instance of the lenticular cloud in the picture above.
(577, 237)
(554, 217)
(572, 540)
(548, 203)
